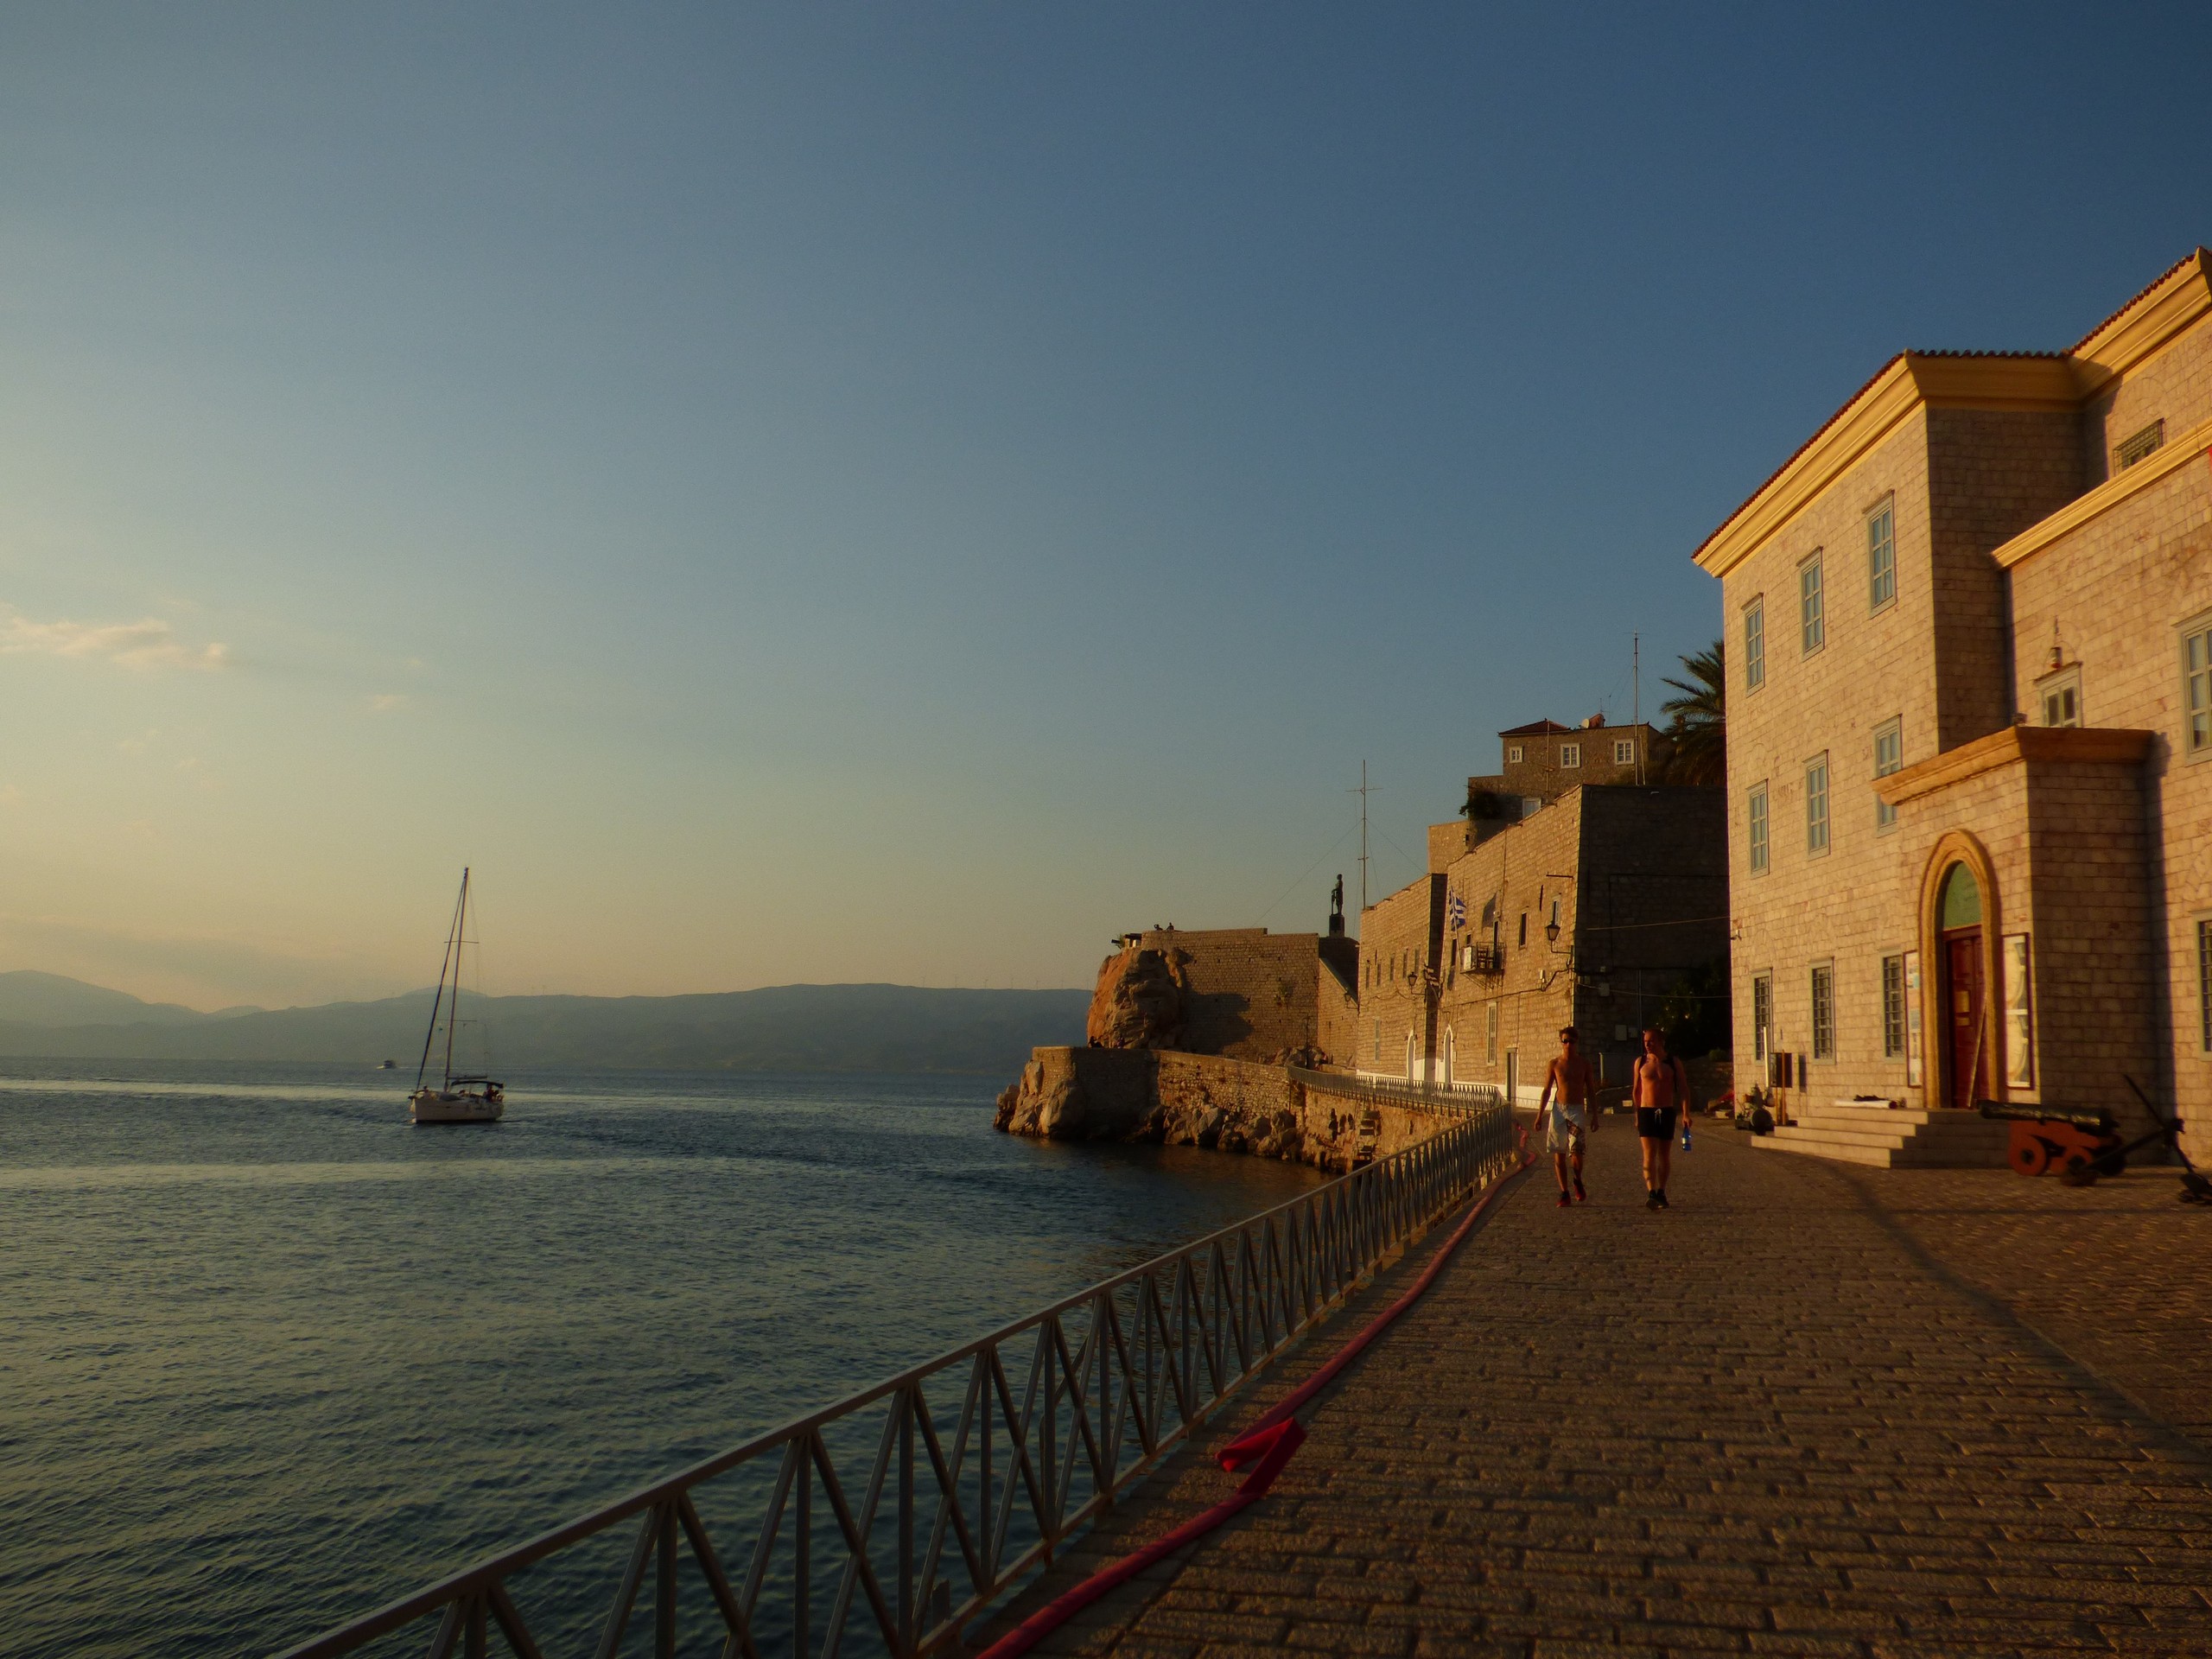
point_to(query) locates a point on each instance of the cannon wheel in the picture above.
(2029, 1156)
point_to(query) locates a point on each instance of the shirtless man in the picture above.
(1567, 1121)
(1662, 1093)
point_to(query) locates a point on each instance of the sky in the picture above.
(846, 493)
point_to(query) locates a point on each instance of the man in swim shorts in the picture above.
(1662, 1093)
(1566, 1121)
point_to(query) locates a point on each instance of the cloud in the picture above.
(385, 701)
(145, 646)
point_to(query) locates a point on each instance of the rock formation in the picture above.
(1138, 1004)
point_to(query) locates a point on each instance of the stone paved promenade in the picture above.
(1812, 1409)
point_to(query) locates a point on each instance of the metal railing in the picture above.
(1429, 1097)
(885, 1523)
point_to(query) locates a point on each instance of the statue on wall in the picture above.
(1337, 898)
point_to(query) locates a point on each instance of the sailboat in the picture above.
(472, 1098)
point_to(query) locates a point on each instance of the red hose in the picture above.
(1269, 1443)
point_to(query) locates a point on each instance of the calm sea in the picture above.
(269, 1356)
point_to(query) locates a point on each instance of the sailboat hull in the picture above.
(453, 1106)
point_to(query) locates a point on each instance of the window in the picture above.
(2204, 982)
(1824, 1011)
(1758, 836)
(1816, 806)
(1812, 619)
(2143, 445)
(1912, 1018)
(1378, 1042)
(1889, 757)
(1490, 1033)
(2019, 1014)
(1623, 751)
(1513, 755)
(1754, 645)
(1570, 754)
(1762, 1017)
(2061, 697)
(1881, 557)
(1524, 929)
(1893, 1008)
(2196, 686)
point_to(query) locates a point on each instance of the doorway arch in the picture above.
(1960, 1008)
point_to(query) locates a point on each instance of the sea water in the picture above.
(269, 1356)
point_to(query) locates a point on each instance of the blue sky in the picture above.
(907, 493)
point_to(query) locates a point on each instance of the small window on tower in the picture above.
(1623, 751)
(2060, 695)
(2143, 445)
(1513, 755)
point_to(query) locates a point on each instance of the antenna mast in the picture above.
(1361, 792)
(1635, 697)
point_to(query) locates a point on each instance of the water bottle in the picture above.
(1686, 1134)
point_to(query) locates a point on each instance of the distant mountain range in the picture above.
(778, 1028)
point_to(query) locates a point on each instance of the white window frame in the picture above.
(1490, 1033)
(1889, 733)
(1570, 757)
(1623, 751)
(1762, 1015)
(1755, 644)
(1758, 829)
(1881, 554)
(2054, 694)
(2197, 688)
(1819, 811)
(1812, 604)
(1513, 755)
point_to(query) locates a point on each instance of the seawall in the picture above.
(1206, 1100)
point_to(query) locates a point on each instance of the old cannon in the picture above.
(2082, 1144)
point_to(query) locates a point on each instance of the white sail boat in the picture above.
(472, 1098)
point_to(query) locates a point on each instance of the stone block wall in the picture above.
(1198, 1100)
(1246, 992)
(2175, 386)
(1399, 940)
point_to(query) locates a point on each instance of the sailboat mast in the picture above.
(438, 1001)
(460, 937)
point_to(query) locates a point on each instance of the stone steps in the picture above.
(1868, 1132)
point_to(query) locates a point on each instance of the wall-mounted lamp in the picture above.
(1551, 930)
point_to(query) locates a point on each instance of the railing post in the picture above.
(803, 1568)
(665, 1587)
(909, 1402)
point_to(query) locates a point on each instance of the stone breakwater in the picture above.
(1199, 1100)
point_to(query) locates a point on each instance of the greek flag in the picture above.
(1456, 907)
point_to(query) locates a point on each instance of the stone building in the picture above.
(1243, 992)
(1970, 728)
(1585, 912)
(1539, 763)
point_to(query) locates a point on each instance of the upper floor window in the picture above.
(1513, 755)
(1755, 816)
(2143, 445)
(1817, 805)
(1570, 754)
(1754, 645)
(2060, 695)
(1812, 618)
(1881, 557)
(2196, 686)
(1623, 751)
(1889, 757)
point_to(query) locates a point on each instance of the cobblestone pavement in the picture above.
(1811, 1409)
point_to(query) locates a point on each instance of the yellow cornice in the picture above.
(2176, 301)
(2012, 746)
(1912, 380)
(2191, 445)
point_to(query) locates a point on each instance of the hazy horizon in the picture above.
(863, 493)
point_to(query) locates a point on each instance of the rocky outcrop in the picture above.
(1197, 1100)
(1138, 1002)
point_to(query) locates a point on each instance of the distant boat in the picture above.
(471, 1098)
(387, 1065)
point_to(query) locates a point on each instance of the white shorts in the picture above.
(1563, 1128)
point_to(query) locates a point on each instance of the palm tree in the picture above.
(1697, 719)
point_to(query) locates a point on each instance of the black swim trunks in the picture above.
(1655, 1122)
